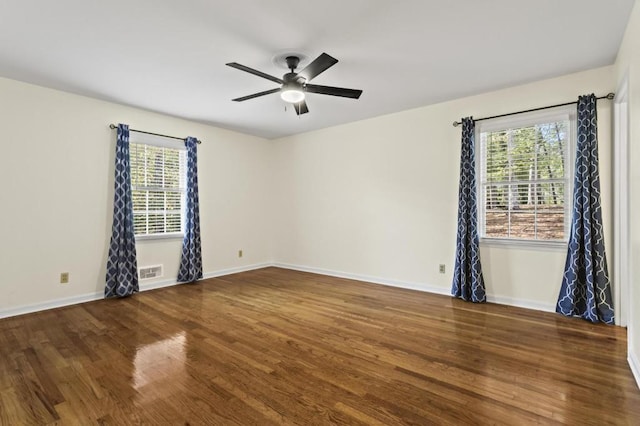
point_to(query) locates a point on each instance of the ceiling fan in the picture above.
(294, 85)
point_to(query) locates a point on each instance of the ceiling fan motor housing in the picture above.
(292, 81)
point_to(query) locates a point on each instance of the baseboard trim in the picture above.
(367, 278)
(44, 306)
(90, 297)
(634, 364)
(229, 271)
(58, 303)
(520, 303)
(155, 285)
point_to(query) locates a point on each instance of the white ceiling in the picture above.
(169, 56)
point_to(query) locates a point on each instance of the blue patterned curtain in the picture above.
(122, 266)
(586, 290)
(468, 283)
(191, 262)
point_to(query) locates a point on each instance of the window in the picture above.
(158, 189)
(524, 177)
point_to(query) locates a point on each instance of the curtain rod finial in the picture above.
(456, 123)
(611, 95)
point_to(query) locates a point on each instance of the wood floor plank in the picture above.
(279, 347)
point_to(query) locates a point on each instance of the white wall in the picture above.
(57, 169)
(377, 199)
(628, 66)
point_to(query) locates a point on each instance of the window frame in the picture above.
(161, 142)
(514, 122)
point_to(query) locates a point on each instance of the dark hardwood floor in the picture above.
(281, 347)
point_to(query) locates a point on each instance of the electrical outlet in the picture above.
(441, 268)
(239, 253)
(64, 278)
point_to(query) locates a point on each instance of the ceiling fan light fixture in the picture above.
(292, 96)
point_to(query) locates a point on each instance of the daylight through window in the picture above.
(524, 183)
(158, 189)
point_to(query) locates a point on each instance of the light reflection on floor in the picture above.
(158, 362)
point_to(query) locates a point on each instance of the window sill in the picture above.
(524, 244)
(153, 237)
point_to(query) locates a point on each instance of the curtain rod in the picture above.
(607, 96)
(113, 126)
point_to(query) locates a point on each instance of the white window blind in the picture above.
(158, 189)
(524, 180)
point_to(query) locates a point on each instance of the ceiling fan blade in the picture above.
(254, 72)
(255, 95)
(301, 107)
(320, 64)
(333, 91)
